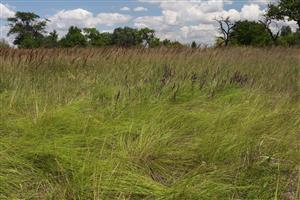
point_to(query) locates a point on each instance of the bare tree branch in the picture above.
(267, 21)
(225, 28)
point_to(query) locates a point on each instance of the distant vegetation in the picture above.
(258, 34)
(252, 33)
(29, 32)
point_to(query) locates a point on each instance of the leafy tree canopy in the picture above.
(126, 37)
(28, 28)
(285, 8)
(74, 38)
(250, 33)
(51, 40)
(147, 36)
(95, 38)
(194, 45)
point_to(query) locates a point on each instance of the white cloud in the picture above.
(204, 32)
(185, 12)
(195, 19)
(154, 22)
(187, 20)
(140, 9)
(125, 9)
(292, 24)
(275, 26)
(112, 18)
(5, 11)
(63, 19)
(233, 14)
(251, 12)
(170, 17)
(3, 34)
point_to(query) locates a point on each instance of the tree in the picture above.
(51, 41)
(147, 36)
(166, 42)
(106, 39)
(250, 33)
(266, 22)
(225, 28)
(176, 44)
(155, 42)
(95, 38)
(285, 8)
(285, 30)
(28, 28)
(74, 38)
(126, 37)
(173, 44)
(92, 36)
(194, 45)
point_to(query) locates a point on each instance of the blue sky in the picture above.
(46, 7)
(184, 21)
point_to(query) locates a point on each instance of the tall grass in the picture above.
(150, 123)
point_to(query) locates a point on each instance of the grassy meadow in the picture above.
(149, 124)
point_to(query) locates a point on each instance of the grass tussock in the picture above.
(150, 124)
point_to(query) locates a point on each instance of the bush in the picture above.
(290, 39)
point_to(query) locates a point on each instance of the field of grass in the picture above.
(150, 124)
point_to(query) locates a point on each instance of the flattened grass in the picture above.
(150, 124)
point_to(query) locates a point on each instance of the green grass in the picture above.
(150, 124)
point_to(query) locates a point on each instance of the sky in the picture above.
(183, 21)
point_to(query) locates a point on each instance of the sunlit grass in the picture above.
(150, 124)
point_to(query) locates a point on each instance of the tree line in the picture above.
(30, 32)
